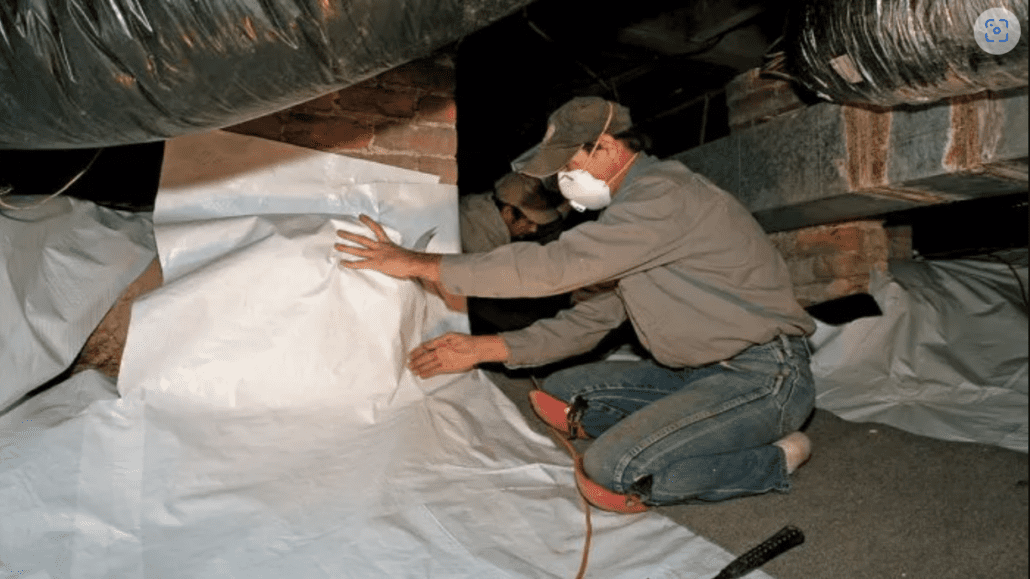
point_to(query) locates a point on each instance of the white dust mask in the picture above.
(583, 190)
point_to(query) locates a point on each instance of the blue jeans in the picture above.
(679, 435)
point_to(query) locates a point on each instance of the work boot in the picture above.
(555, 413)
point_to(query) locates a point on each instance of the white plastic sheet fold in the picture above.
(947, 359)
(266, 425)
(62, 266)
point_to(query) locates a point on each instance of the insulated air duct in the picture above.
(97, 73)
(890, 52)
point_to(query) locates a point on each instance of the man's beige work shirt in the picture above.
(697, 276)
(481, 226)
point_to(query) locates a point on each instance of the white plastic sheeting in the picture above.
(62, 266)
(266, 426)
(947, 359)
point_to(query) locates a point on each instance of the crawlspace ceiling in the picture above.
(658, 57)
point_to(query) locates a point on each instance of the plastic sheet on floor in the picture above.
(62, 265)
(264, 423)
(947, 359)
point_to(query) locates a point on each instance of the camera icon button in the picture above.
(996, 31)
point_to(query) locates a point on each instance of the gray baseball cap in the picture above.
(523, 192)
(581, 120)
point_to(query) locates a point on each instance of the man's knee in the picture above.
(605, 467)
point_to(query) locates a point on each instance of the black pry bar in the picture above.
(784, 540)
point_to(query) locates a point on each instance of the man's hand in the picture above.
(452, 352)
(385, 256)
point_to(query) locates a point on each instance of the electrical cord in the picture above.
(6, 190)
(560, 437)
(785, 539)
(585, 559)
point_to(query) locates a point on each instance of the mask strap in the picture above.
(611, 113)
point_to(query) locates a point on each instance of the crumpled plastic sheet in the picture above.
(265, 424)
(62, 265)
(947, 359)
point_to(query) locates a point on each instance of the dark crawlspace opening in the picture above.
(123, 177)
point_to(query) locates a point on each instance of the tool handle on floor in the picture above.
(784, 540)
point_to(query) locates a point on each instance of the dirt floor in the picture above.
(875, 502)
(104, 347)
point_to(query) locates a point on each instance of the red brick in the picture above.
(392, 159)
(418, 139)
(368, 118)
(752, 100)
(428, 74)
(383, 101)
(367, 83)
(324, 104)
(832, 261)
(814, 293)
(839, 288)
(832, 238)
(435, 109)
(900, 242)
(267, 127)
(326, 134)
(841, 265)
(446, 168)
(876, 245)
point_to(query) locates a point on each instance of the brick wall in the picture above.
(832, 261)
(828, 261)
(405, 117)
(752, 99)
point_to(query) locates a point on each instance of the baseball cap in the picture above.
(523, 192)
(581, 120)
